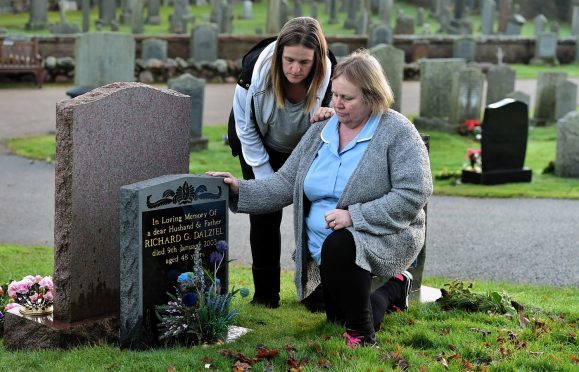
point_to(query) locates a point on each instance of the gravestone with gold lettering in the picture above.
(164, 221)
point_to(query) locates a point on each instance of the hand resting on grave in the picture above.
(228, 179)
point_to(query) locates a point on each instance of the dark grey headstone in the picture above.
(517, 95)
(505, 132)
(545, 97)
(488, 14)
(464, 47)
(500, 82)
(195, 88)
(404, 25)
(154, 48)
(204, 41)
(392, 61)
(504, 12)
(515, 25)
(137, 16)
(339, 49)
(546, 49)
(350, 21)
(164, 222)
(566, 98)
(107, 10)
(105, 139)
(379, 34)
(567, 160)
(153, 11)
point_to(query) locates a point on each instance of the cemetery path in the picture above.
(518, 240)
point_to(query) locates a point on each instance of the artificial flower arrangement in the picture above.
(32, 295)
(198, 312)
(473, 156)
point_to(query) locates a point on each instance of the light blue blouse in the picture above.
(328, 176)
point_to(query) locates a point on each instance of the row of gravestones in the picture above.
(555, 95)
(452, 91)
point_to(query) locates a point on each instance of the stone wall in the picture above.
(516, 49)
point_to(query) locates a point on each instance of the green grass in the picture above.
(532, 72)
(15, 23)
(447, 154)
(424, 334)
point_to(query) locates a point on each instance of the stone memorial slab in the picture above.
(515, 25)
(500, 82)
(180, 16)
(540, 22)
(107, 10)
(93, 68)
(545, 50)
(567, 159)
(466, 95)
(247, 9)
(575, 21)
(350, 21)
(339, 49)
(379, 34)
(38, 15)
(154, 48)
(464, 47)
(385, 11)
(504, 12)
(273, 23)
(404, 25)
(204, 41)
(153, 12)
(545, 97)
(566, 99)
(392, 61)
(165, 222)
(517, 95)
(105, 139)
(137, 17)
(194, 88)
(488, 14)
(505, 131)
(436, 76)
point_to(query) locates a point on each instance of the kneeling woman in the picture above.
(359, 182)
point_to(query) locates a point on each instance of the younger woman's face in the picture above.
(297, 63)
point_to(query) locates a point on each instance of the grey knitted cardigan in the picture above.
(385, 196)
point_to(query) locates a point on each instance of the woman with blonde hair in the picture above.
(358, 183)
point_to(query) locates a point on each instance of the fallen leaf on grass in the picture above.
(481, 331)
(266, 353)
(239, 366)
(324, 363)
(523, 321)
(240, 357)
(442, 360)
(171, 368)
(397, 358)
(574, 358)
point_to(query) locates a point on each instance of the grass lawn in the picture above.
(425, 337)
(447, 154)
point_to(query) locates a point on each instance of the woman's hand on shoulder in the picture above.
(228, 179)
(321, 114)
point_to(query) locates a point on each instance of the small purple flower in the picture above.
(190, 299)
(1, 315)
(221, 246)
(215, 257)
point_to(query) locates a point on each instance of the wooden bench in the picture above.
(21, 56)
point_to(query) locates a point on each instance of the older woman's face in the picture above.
(297, 62)
(347, 100)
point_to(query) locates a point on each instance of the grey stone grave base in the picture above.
(23, 332)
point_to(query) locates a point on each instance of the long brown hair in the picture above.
(307, 32)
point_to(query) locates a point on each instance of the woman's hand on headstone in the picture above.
(228, 179)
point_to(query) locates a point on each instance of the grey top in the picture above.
(385, 195)
(287, 126)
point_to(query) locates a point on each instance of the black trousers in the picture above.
(265, 239)
(347, 287)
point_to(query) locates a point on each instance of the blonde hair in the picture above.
(307, 32)
(363, 70)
